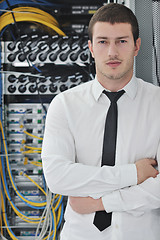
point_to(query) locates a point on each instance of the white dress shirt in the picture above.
(72, 151)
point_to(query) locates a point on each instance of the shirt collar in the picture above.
(130, 88)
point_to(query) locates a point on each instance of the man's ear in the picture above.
(137, 46)
(90, 47)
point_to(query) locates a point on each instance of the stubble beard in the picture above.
(118, 76)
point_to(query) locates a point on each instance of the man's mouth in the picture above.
(113, 64)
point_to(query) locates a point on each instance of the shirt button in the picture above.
(116, 226)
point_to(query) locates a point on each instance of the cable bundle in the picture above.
(4, 5)
(30, 14)
(48, 222)
(52, 206)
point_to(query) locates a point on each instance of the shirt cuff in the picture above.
(128, 175)
(112, 203)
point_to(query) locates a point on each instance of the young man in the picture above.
(73, 140)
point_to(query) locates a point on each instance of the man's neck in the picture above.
(114, 85)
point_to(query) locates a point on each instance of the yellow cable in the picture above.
(18, 213)
(35, 163)
(36, 11)
(10, 176)
(1, 222)
(35, 148)
(10, 233)
(31, 135)
(53, 208)
(30, 14)
(15, 210)
(42, 190)
(39, 11)
(59, 213)
(34, 222)
(27, 18)
(30, 151)
(4, 219)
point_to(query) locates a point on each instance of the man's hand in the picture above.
(85, 205)
(145, 169)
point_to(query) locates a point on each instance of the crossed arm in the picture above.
(105, 185)
(145, 170)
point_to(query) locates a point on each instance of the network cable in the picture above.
(53, 205)
(42, 218)
(60, 214)
(30, 14)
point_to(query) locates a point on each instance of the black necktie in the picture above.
(102, 219)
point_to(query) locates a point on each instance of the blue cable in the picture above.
(15, 184)
(10, 30)
(44, 183)
(59, 202)
(20, 192)
(61, 217)
(4, 176)
(6, 214)
(53, 223)
(4, 5)
(0, 79)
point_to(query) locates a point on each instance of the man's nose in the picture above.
(112, 50)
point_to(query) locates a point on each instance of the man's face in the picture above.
(113, 49)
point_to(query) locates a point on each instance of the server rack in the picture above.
(44, 51)
(38, 61)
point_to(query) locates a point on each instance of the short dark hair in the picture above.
(114, 13)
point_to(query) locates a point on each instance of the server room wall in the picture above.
(44, 51)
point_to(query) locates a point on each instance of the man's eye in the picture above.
(123, 41)
(102, 41)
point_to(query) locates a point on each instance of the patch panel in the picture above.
(17, 148)
(15, 109)
(34, 130)
(14, 131)
(14, 150)
(27, 184)
(20, 223)
(22, 181)
(30, 192)
(48, 85)
(13, 121)
(27, 118)
(19, 111)
(18, 201)
(28, 233)
(33, 142)
(14, 118)
(55, 49)
(32, 213)
(84, 9)
(12, 141)
(23, 159)
(27, 237)
(29, 169)
(26, 108)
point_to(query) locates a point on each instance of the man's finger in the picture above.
(153, 162)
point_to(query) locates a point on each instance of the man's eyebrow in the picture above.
(122, 37)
